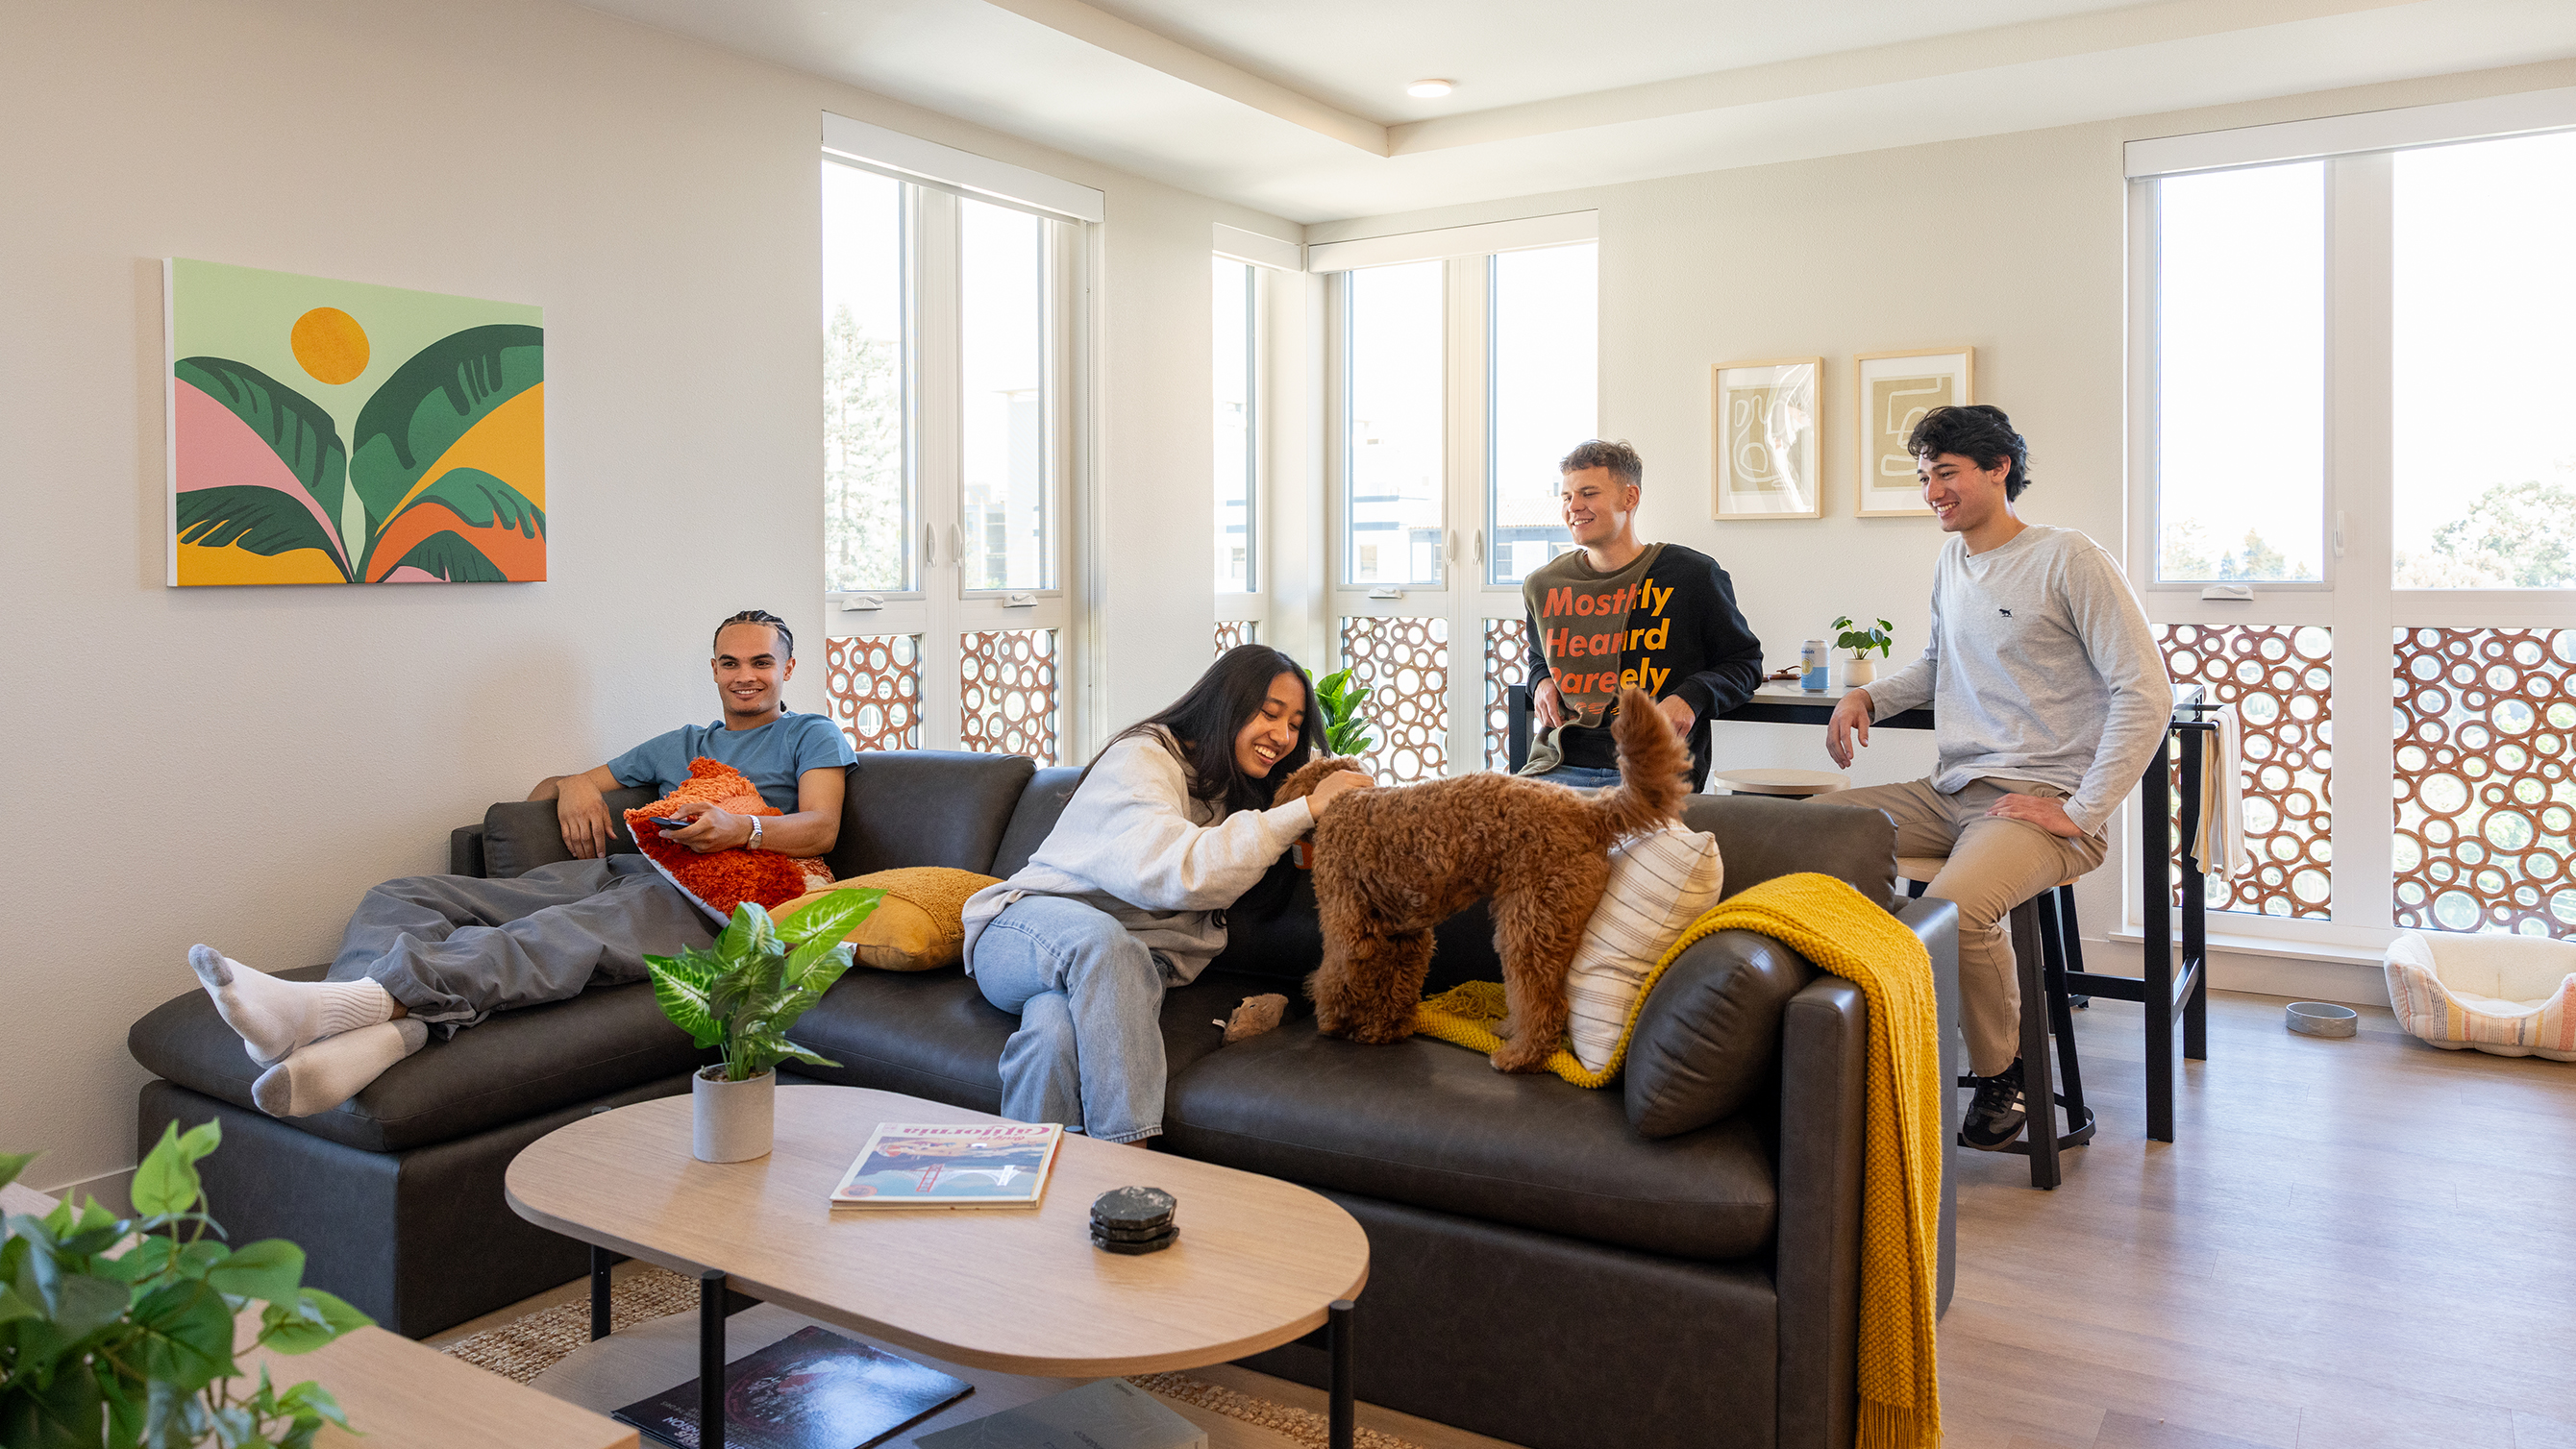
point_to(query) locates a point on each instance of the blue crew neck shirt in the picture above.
(771, 757)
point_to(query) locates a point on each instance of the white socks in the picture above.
(276, 1018)
(331, 1071)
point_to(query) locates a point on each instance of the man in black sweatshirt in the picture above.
(1614, 613)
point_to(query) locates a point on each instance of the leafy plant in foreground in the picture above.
(133, 1349)
(742, 993)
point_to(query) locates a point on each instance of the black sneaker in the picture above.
(1996, 1115)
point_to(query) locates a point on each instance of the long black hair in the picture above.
(1199, 727)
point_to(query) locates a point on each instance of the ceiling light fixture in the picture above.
(1430, 90)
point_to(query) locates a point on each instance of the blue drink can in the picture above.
(1814, 661)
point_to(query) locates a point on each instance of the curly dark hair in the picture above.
(1618, 457)
(1978, 432)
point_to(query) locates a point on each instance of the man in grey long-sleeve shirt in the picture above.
(2048, 697)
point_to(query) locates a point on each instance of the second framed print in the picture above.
(1891, 391)
(1766, 439)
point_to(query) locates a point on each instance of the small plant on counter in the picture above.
(1860, 641)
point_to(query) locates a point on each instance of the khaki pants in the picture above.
(1994, 865)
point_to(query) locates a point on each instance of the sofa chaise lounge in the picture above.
(1541, 1270)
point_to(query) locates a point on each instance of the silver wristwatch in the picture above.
(754, 842)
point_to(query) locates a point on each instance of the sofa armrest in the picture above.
(465, 850)
(1824, 1054)
(520, 835)
(1824, 1051)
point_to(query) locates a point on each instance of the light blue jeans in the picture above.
(1089, 1051)
(1578, 778)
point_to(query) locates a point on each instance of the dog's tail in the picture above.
(1652, 761)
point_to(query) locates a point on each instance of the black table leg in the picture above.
(2195, 909)
(599, 1261)
(1342, 1427)
(2156, 925)
(711, 1359)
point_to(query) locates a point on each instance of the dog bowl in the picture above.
(2323, 1018)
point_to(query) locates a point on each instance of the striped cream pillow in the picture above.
(1659, 884)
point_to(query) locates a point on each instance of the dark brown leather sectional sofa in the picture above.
(1543, 1269)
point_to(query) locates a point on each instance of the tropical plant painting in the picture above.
(326, 432)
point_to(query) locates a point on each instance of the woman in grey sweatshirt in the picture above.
(1170, 824)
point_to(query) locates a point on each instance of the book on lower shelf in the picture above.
(950, 1165)
(1111, 1414)
(813, 1389)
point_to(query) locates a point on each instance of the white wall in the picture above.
(2013, 244)
(236, 765)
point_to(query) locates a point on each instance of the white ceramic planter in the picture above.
(732, 1121)
(1858, 672)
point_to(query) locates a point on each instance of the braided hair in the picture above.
(786, 639)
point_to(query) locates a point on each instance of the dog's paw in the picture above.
(1382, 1035)
(1519, 1057)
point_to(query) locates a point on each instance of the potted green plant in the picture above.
(1340, 699)
(119, 1332)
(1858, 669)
(740, 995)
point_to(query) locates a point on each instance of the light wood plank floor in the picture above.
(2353, 1244)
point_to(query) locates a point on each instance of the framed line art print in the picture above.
(1891, 391)
(1766, 438)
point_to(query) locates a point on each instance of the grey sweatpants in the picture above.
(454, 948)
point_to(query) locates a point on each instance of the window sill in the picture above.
(2325, 954)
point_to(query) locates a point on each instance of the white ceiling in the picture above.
(1299, 109)
(1361, 54)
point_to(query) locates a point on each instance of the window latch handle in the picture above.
(1020, 601)
(1386, 591)
(859, 603)
(929, 547)
(1480, 546)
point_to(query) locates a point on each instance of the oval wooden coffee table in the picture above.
(1259, 1263)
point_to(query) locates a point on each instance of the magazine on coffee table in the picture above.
(950, 1165)
(813, 1389)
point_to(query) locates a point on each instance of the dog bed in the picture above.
(2514, 996)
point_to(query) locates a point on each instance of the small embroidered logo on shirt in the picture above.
(2007, 613)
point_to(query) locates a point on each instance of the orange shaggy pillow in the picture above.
(722, 879)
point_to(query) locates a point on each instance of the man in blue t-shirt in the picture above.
(448, 950)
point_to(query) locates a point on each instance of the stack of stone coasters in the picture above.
(1134, 1220)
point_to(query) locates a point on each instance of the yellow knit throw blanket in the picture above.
(1844, 932)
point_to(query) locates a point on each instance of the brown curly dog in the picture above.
(1392, 863)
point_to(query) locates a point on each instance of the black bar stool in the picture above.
(2044, 936)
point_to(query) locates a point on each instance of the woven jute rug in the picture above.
(526, 1347)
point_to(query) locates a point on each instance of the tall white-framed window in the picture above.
(2356, 519)
(1457, 381)
(951, 389)
(1235, 295)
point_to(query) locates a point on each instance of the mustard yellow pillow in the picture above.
(917, 927)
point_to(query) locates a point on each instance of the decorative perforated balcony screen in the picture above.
(872, 689)
(1405, 664)
(2486, 811)
(2278, 678)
